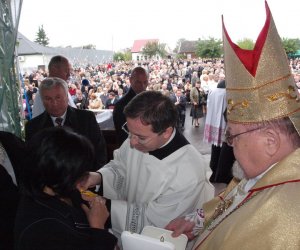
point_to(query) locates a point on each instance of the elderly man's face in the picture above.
(55, 100)
(247, 148)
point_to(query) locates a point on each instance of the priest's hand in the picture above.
(90, 181)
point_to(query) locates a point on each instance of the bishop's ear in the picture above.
(272, 141)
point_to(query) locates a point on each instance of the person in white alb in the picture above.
(156, 174)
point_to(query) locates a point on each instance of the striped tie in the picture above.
(59, 121)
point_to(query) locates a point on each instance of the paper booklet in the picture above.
(153, 238)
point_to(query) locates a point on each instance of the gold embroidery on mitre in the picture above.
(240, 106)
(289, 94)
(259, 85)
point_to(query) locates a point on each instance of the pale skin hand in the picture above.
(97, 213)
(181, 226)
(90, 181)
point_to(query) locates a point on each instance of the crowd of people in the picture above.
(101, 86)
(98, 87)
(59, 190)
(133, 195)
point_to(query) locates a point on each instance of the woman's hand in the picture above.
(96, 213)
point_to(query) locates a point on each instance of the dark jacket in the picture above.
(48, 223)
(8, 207)
(111, 103)
(81, 121)
(181, 107)
(119, 117)
(15, 150)
(81, 104)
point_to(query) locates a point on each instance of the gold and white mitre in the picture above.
(259, 83)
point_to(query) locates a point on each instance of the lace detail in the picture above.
(119, 182)
(135, 218)
(198, 218)
(213, 135)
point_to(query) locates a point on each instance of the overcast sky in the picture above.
(115, 24)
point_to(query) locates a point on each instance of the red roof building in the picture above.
(138, 45)
(137, 48)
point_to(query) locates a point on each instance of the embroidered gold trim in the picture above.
(260, 86)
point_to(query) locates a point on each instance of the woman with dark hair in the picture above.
(52, 213)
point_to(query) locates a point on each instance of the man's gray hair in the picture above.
(50, 82)
(284, 125)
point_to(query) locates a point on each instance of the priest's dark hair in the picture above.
(57, 158)
(153, 108)
(57, 61)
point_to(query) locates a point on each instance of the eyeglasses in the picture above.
(140, 140)
(229, 138)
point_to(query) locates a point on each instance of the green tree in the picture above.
(154, 48)
(89, 46)
(123, 56)
(298, 42)
(290, 45)
(127, 55)
(119, 56)
(41, 37)
(210, 48)
(246, 43)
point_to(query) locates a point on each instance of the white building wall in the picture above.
(29, 63)
(141, 57)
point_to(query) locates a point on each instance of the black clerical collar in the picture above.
(176, 143)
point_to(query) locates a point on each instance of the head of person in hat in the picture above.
(263, 107)
(261, 211)
(85, 82)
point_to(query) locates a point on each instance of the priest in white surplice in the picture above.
(156, 174)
